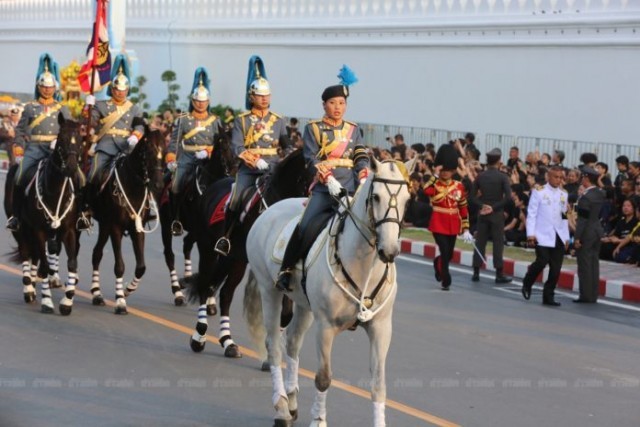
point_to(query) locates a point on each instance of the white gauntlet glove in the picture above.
(52, 144)
(132, 140)
(90, 100)
(202, 154)
(172, 166)
(334, 186)
(262, 165)
(467, 237)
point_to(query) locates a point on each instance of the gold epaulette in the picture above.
(538, 187)
(276, 114)
(351, 123)
(246, 113)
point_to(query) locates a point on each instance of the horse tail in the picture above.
(252, 311)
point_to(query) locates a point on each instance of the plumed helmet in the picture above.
(200, 90)
(257, 83)
(120, 75)
(347, 78)
(48, 74)
(447, 157)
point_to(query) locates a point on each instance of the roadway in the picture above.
(478, 355)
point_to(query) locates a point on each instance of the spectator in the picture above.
(514, 158)
(634, 170)
(624, 226)
(292, 126)
(296, 139)
(419, 208)
(545, 159)
(604, 180)
(8, 130)
(632, 242)
(398, 145)
(558, 158)
(589, 159)
(573, 181)
(515, 231)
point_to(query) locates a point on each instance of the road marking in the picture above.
(357, 391)
(519, 283)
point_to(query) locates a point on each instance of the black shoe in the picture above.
(526, 289)
(283, 282)
(83, 223)
(445, 288)
(223, 246)
(176, 228)
(583, 301)
(501, 278)
(13, 224)
(476, 275)
(551, 302)
(436, 268)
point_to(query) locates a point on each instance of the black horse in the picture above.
(123, 206)
(48, 214)
(207, 172)
(290, 178)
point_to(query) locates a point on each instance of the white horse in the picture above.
(350, 280)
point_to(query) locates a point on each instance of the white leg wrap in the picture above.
(34, 271)
(211, 301)
(319, 407)
(278, 384)
(119, 288)
(187, 268)
(95, 282)
(199, 338)
(26, 269)
(225, 326)
(291, 374)
(71, 281)
(378, 415)
(46, 293)
(28, 289)
(54, 262)
(174, 279)
(132, 286)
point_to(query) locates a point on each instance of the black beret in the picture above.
(334, 91)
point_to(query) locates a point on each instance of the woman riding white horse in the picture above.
(349, 278)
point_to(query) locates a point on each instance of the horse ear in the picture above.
(411, 164)
(374, 164)
(61, 119)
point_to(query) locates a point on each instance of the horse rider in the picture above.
(115, 131)
(334, 148)
(37, 131)
(191, 142)
(257, 134)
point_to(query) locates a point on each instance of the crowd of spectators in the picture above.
(620, 216)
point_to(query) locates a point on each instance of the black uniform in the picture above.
(589, 231)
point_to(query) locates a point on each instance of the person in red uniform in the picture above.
(450, 216)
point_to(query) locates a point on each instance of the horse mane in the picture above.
(290, 176)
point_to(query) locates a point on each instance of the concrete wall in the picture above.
(563, 69)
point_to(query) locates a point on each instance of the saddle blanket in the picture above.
(283, 239)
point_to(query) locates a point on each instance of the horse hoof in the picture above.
(212, 310)
(65, 310)
(98, 300)
(197, 346)
(265, 366)
(29, 297)
(46, 309)
(232, 352)
(282, 423)
(294, 414)
(179, 301)
(121, 310)
(26, 280)
(55, 283)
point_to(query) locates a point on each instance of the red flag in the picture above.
(96, 71)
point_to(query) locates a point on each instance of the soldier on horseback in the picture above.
(37, 131)
(334, 147)
(116, 132)
(256, 137)
(192, 141)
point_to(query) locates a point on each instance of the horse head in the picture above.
(68, 147)
(146, 159)
(289, 178)
(221, 162)
(387, 198)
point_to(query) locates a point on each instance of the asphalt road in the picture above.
(478, 355)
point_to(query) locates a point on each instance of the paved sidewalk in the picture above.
(617, 281)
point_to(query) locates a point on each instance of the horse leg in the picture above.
(299, 325)
(169, 257)
(103, 236)
(53, 261)
(46, 304)
(70, 245)
(187, 246)
(118, 270)
(137, 240)
(201, 283)
(236, 274)
(379, 332)
(326, 333)
(28, 279)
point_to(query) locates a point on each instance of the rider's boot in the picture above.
(291, 257)
(176, 226)
(13, 223)
(223, 245)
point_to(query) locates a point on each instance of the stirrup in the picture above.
(223, 246)
(13, 224)
(176, 228)
(284, 279)
(83, 223)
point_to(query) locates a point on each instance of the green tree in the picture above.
(137, 96)
(172, 91)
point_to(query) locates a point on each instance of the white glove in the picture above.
(262, 165)
(172, 166)
(334, 186)
(202, 154)
(90, 100)
(132, 140)
(467, 237)
(18, 160)
(363, 180)
(52, 144)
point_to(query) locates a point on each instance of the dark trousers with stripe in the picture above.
(446, 243)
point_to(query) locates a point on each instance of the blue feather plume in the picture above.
(347, 76)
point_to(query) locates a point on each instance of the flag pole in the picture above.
(89, 126)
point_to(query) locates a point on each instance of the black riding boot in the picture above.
(291, 257)
(176, 225)
(13, 223)
(223, 245)
(501, 278)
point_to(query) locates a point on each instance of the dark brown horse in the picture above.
(123, 206)
(48, 215)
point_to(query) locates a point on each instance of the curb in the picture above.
(614, 289)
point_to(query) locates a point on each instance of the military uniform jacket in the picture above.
(38, 126)
(588, 208)
(115, 139)
(547, 215)
(190, 135)
(336, 145)
(450, 210)
(494, 188)
(261, 134)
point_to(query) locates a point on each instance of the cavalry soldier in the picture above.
(115, 117)
(450, 215)
(334, 148)
(37, 131)
(257, 134)
(191, 141)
